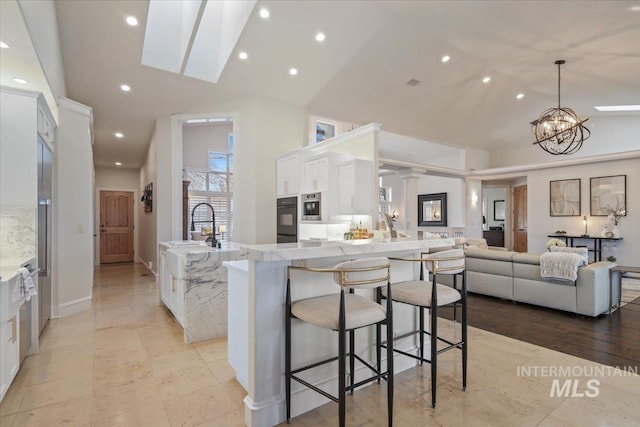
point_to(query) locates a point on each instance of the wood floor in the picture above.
(611, 340)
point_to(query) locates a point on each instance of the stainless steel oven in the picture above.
(311, 207)
(287, 214)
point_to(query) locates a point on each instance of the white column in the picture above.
(410, 178)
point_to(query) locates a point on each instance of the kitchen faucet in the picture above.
(211, 238)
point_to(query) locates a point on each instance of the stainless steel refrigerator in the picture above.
(45, 172)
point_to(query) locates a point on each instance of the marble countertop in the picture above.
(9, 267)
(326, 249)
(180, 247)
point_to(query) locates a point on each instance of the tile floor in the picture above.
(124, 363)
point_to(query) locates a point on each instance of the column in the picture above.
(410, 178)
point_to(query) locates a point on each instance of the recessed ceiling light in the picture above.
(486, 79)
(125, 88)
(21, 81)
(118, 163)
(264, 13)
(3, 45)
(243, 55)
(320, 37)
(618, 108)
(119, 135)
(520, 96)
(635, 8)
(446, 58)
(132, 20)
(293, 71)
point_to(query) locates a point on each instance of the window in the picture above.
(215, 187)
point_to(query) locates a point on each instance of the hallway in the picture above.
(124, 363)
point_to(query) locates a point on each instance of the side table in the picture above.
(621, 270)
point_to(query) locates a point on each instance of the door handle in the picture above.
(14, 331)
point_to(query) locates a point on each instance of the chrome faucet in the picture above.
(211, 238)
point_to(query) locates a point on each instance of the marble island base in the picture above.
(193, 285)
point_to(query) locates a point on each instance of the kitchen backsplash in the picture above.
(17, 234)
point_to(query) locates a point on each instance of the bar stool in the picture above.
(344, 312)
(431, 295)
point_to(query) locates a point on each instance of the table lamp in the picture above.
(584, 221)
(222, 229)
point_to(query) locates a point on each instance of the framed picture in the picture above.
(498, 210)
(432, 210)
(564, 197)
(147, 198)
(608, 191)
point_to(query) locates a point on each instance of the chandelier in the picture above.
(559, 130)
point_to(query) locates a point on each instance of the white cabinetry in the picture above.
(354, 188)
(9, 333)
(316, 175)
(46, 126)
(172, 284)
(287, 175)
(320, 173)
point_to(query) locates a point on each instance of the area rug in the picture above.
(630, 290)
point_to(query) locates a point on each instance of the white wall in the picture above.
(491, 195)
(117, 179)
(147, 241)
(608, 135)
(199, 139)
(541, 223)
(40, 19)
(454, 187)
(72, 280)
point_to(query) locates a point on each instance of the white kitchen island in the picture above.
(193, 285)
(257, 313)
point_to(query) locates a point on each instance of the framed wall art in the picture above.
(498, 210)
(564, 197)
(608, 192)
(432, 210)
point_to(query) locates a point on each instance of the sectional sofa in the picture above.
(516, 276)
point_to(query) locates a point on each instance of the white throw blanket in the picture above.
(561, 265)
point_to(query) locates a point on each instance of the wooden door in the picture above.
(116, 226)
(520, 219)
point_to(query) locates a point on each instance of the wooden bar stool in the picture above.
(431, 295)
(344, 312)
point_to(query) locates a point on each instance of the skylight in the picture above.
(194, 38)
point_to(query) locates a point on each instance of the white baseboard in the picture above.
(141, 261)
(74, 306)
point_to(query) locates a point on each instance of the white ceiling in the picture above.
(359, 73)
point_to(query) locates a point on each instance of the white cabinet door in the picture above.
(178, 302)
(9, 334)
(316, 175)
(165, 281)
(287, 176)
(355, 188)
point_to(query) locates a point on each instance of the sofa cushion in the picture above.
(527, 259)
(489, 254)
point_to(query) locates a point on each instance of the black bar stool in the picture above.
(431, 295)
(344, 312)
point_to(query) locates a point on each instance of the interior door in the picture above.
(116, 226)
(520, 219)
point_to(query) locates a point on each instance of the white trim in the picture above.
(361, 131)
(146, 265)
(74, 106)
(74, 306)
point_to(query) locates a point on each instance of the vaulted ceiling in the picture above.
(359, 73)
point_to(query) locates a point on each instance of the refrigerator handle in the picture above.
(44, 270)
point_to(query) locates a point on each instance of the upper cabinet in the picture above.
(46, 125)
(320, 173)
(355, 188)
(316, 175)
(287, 176)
